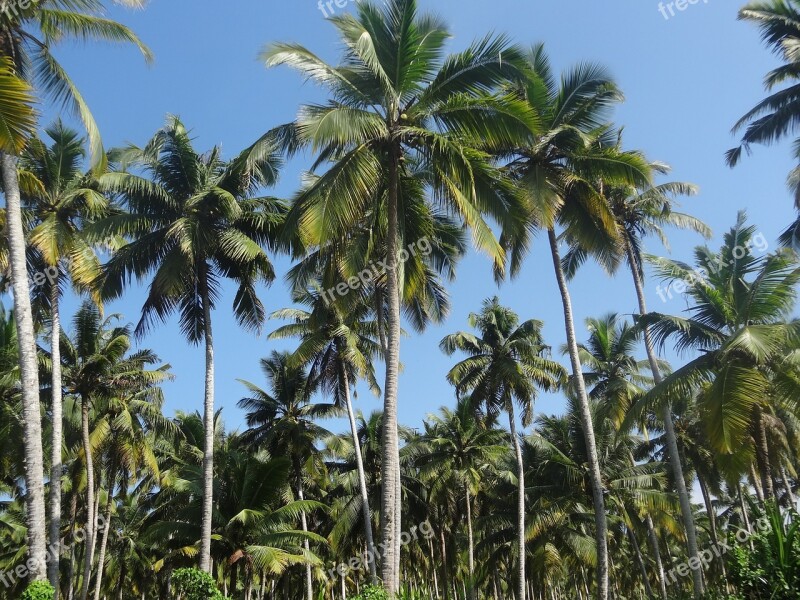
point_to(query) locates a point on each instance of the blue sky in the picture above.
(686, 79)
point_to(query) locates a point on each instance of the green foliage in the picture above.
(39, 590)
(372, 592)
(771, 569)
(194, 584)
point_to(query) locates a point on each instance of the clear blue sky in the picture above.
(687, 79)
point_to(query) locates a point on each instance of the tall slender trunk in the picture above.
(512, 422)
(73, 511)
(712, 519)
(640, 561)
(29, 374)
(757, 484)
(654, 546)
(57, 435)
(669, 430)
(601, 522)
(101, 557)
(762, 454)
(787, 484)
(304, 524)
(90, 506)
(473, 595)
(362, 478)
(208, 428)
(390, 459)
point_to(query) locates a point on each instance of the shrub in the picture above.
(39, 590)
(194, 584)
(372, 592)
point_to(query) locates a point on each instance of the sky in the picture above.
(687, 78)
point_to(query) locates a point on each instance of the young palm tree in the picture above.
(339, 349)
(506, 364)
(394, 107)
(561, 172)
(194, 222)
(62, 199)
(282, 421)
(638, 214)
(28, 33)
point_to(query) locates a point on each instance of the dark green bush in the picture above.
(194, 584)
(39, 590)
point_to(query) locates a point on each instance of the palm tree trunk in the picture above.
(73, 511)
(101, 558)
(90, 506)
(304, 524)
(57, 442)
(757, 484)
(601, 522)
(29, 374)
(654, 545)
(762, 455)
(390, 459)
(471, 542)
(362, 478)
(787, 484)
(512, 422)
(669, 431)
(208, 428)
(640, 561)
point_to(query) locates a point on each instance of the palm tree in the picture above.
(282, 421)
(508, 363)
(194, 222)
(775, 116)
(738, 321)
(27, 35)
(458, 448)
(98, 368)
(640, 213)
(397, 107)
(339, 348)
(561, 172)
(62, 199)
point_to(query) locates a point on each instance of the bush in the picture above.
(194, 584)
(39, 590)
(372, 592)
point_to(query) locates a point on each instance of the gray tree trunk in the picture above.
(390, 459)
(304, 524)
(601, 522)
(91, 520)
(57, 436)
(101, 557)
(669, 430)
(471, 542)
(29, 373)
(208, 430)
(362, 478)
(653, 537)
(512, 422)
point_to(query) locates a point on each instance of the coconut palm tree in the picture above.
(338, 348)
(640, 213)
(739, 323)
(98, 368)
(394, 107)
(28, 33)
(561, 172)
(194, 222)
(62, 199)
(282, 421)
(507, 364)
